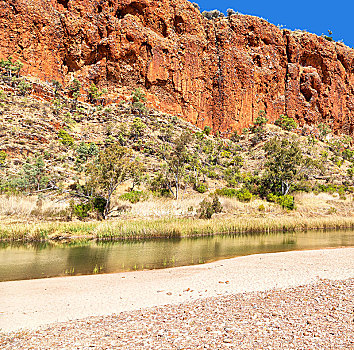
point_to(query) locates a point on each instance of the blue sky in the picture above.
(312, 15)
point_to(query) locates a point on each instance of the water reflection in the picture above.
(27, 261)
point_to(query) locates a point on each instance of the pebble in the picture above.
(318, 316)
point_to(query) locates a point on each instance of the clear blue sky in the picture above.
(312, 15)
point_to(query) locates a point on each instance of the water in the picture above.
(29, 261)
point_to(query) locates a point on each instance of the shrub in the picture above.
(207, 208)
(134, 196)
(261, 208)
(202, 188)
(287, 201)
(212, 14)
(3, 157)
(24, 87)
(244, 195)
(286, 123)
(226, 192)
(65, 138)
(207, 130)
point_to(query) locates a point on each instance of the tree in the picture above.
(95, 94)
(286, 123)
(84, 152)
(177, 160)
(33, 176)
(283, 159)
(112, 167)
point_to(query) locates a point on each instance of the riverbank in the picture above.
(169, 227)
(317, 316)
(71, 298)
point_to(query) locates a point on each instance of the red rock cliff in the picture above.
(212, 72)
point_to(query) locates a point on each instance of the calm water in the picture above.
(18, 261)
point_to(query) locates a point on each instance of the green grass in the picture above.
(166, 228)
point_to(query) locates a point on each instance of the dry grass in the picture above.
(27, 207)
(169, 227)
(163, 218)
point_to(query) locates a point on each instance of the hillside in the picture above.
(219, 72)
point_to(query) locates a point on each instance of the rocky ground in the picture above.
(317, 316)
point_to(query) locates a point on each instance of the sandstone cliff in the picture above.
(212, 72)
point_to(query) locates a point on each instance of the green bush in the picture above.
(3, 157)
(286, 123)
(287, 201)
(243, 195)
(202, 188)
(207, 209)
(65, 138)
(24, 87)
(226, 192)
(207, 130)
(134, 196)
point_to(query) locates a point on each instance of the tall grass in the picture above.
(167, 228)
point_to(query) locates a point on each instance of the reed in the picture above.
(167, 228)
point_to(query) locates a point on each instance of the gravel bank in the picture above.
(317, 316)
(34, 303)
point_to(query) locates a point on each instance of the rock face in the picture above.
(219, 72)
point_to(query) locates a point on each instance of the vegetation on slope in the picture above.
(97, 160)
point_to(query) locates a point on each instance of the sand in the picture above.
(34, 303)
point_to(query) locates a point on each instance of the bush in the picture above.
(83, 210)
(212, 14)
(134, 196)
(287, 201)
(243, 195)
(207, 130)
(286, 123)
(226, 192)
(3, 157)
(202, 188)
(65, 138)
(207, 208)
(24, 87)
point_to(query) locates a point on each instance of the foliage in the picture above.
(83, 209)
(230, 12)
(139, 99)
(207, 130)
(287, 201)
(84, 152)
(3, 157)
(95, 93)
(286, 123)
(176, 161)
(207, 209)
(283, 158)
(243, 194)
(32, 175)
(137, 129)
(201, 188)
(65, 138)
(24, 87)
(134, 196)
(112, 167)
(11, 68)
(212, 14)
(75, 88)
(324, 130)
